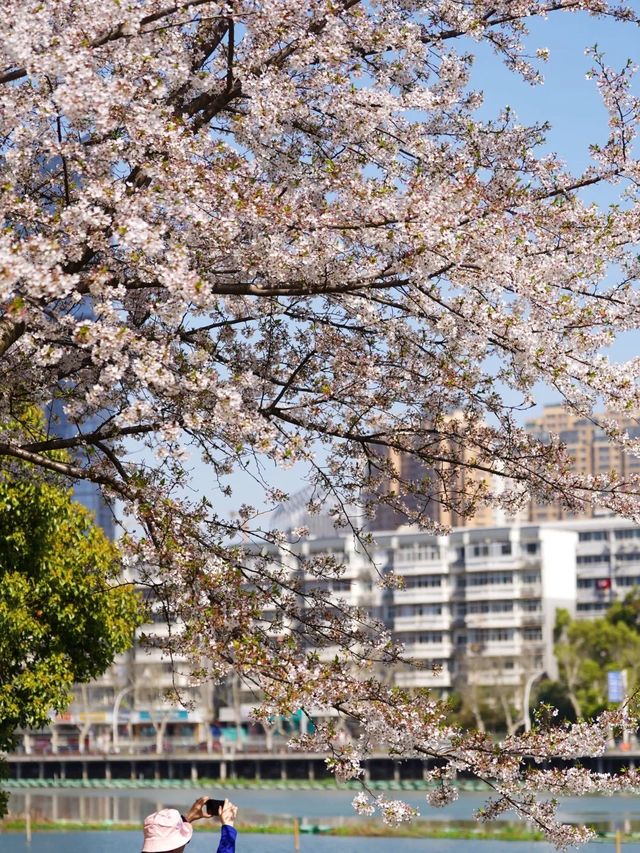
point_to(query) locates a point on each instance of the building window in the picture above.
(419, 610)
(631, 580)
(425, 637)
(592, 607)
(491, 635)
(480, 551)
(532, 634)
(429, 610)
(592, 535)
(327, 585)
(490, 607)
(419, 581)
(489, 578)
(631, 533)
(417, 552)
(531, 577)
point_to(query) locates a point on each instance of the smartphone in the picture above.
(211, 807)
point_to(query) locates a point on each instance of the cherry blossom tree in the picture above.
(280, 231)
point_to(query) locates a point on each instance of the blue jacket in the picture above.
(227, 839)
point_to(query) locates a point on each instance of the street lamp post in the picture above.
(114, 720)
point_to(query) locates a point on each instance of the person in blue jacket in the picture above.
(167, 831)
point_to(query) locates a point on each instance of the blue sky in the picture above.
(569, 102)
(567, 99)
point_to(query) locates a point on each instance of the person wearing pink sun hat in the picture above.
(167, 831)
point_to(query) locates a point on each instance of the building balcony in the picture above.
(596, 568)
(496, 649)
(593, 595)
(532, 618)
(423, 678)
(421, 567)
(495, 561)
(441, 622)
(497, 592)
(422, 594)
(601, 570)
(495, 677)
(493, 620)
(427, 651)
(530, 590)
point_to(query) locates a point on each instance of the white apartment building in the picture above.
(478, 605)
(607, 562)
(484, 599)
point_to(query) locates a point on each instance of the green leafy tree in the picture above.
(64, 613)
(587, 649)
(627, 610)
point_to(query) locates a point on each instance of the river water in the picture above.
(119, 842)
(272, 805)
(321, 807)
(130, 842)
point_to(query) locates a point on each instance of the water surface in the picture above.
(321, 807)
(126, 842)
(264, 806)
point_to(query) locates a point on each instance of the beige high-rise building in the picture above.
(592, 452)
(441, 488)
(586, 443)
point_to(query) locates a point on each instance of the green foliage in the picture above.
(627, 610)
(587, 649)
(63, 613)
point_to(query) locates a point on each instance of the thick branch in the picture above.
(67, 469)
(81, 440)
(10, 335)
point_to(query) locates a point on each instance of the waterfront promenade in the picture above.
(251, 762)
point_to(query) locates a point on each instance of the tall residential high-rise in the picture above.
(450, 491)
(591, 451)
(586, 443)
(444, 486)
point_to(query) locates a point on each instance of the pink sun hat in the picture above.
(164, 831)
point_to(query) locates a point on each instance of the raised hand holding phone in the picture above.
(227, 813)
